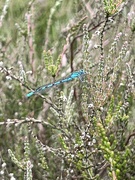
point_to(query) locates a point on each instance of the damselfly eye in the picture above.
(82, 71)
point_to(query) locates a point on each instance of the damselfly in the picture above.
(71, 77)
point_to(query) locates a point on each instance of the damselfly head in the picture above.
(82, 72)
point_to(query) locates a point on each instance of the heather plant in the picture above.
(83, 129)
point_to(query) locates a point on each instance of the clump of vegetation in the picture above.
(83, 129)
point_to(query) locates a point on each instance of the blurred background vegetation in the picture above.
(79, 130)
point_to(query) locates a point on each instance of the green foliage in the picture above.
(111, 6)
(83, 129)
(49, 63)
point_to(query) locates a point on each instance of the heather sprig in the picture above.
(4, 12)
(111, 6)
(49, 24)
(51, 66)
